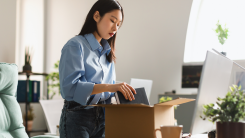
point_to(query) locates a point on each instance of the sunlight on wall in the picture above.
(31, 31)
(202, 23)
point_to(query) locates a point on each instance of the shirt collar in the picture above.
(94, 44)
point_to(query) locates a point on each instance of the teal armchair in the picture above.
(11, 123)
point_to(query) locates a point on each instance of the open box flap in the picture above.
(122, 105)
(176, 101)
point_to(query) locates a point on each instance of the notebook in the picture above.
(140, 97)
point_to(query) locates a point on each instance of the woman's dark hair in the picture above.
(103, 6)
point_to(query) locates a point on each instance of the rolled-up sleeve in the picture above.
(113, 73)
(73, 84)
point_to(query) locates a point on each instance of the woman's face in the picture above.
(109, 23)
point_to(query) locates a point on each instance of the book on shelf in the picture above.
(33, 91)
(30, 91)
(140, 97)
(36, 91)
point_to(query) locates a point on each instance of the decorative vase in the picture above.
(230, 130)
(29, 123)
(57, 130)
(27, 68)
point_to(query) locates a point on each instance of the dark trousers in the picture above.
(77, 122)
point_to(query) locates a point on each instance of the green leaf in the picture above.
(232, 89)
(239, 88)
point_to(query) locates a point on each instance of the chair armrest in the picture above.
(45, 136)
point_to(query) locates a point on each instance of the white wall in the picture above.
(30, 32)
(64, 19)
(7, 30)
(150, 44)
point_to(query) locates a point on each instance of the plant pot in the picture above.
(29, 123)
(230, 130)
(27, 68)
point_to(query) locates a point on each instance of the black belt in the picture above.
(75, 103)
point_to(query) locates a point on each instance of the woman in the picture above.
(87, 73)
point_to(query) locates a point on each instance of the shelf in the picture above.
(37, 131)
(32, 73)
(27, 102)
(28, 74)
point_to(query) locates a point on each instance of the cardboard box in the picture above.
(139, 120)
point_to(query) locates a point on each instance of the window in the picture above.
(202, 23)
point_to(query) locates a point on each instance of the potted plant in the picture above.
(227, 113)
(53, 78)
(28, 58)
(222, 35)
(30, 117)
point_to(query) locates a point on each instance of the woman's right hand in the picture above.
(125, 89)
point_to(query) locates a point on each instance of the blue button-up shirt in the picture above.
(83, 63)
